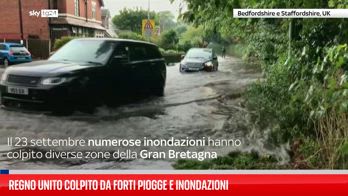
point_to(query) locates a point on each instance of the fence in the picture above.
(39, 49)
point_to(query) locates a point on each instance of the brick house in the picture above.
(76, 18)
(105, 16)
(17, 25)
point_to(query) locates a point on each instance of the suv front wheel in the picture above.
(159, 91)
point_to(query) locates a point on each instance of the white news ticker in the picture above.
(290, 13)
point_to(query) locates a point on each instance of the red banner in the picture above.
(174, 184)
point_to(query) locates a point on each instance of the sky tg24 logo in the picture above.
(45, 13)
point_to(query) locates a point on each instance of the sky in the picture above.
(155, 5)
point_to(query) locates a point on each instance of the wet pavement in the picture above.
(195, 105)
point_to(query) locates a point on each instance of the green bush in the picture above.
(193, 37)
(172, 56)
(234, 160)
(169, 40)
(327, 96)
(130, 35)
(304, 93)
(61, 42)
(162, 50)
(308, 102)
(185, 46)
(237, 50)
(277, 108)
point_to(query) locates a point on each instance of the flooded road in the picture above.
(195, 105)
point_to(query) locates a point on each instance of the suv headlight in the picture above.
(209, 64)
(53, 81)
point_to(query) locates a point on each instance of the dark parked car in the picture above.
(86, 72)
(12, 53)
(198, 59)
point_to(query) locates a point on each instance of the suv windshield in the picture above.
(89, 51)
(199, 53)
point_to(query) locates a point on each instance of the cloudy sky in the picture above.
(155, 5)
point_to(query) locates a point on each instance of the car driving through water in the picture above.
(85, 72)
(198, 59)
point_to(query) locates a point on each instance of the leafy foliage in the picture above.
(130, 35)
(193, 36)
(131, 20)
(304, 94)
(61, 42)
(234, 160)
(166, 20)
(169, 39)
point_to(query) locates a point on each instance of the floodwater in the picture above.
(195, 105)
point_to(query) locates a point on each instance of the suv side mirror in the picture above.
(215, 58)
(182, 56)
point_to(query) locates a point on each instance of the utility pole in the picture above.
(20, 20)
(148, 18)
(148, 9)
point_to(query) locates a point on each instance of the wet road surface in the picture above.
(195, 105)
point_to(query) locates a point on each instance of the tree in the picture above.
(130, 35)
(166, 20)
(169, 40)
(131, 20)
(193, 35)
(181, 28)
(300, 94)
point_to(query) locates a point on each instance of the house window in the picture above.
(55, 4)
(77, 7)
(74, 31)
(94, 9)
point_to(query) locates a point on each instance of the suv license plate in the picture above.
(18, 90)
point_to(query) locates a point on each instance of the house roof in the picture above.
(76, 22)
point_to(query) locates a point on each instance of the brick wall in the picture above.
(62, 6)
(9, 19)
(98, 10)
(70, 8)
(35, 26)
(10, 22)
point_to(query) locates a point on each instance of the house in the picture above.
(76, 18)
(17, 24)
(106, 17)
